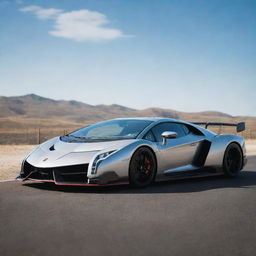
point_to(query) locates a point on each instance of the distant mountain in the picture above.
(114, 109)
(34, 106)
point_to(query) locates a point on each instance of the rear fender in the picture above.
(218, 147)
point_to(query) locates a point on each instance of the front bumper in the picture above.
(74, 175)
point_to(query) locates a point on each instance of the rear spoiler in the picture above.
(239, 126)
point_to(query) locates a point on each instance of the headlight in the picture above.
(98, 159)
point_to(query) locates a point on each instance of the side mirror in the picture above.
(168, 135)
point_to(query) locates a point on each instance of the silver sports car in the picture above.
(137, 151)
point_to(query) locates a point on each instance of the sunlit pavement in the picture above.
(207, 216)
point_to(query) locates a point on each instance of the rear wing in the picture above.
(239, 126)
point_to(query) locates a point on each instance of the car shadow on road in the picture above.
(245, 179)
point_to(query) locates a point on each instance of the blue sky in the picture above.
(185, 55)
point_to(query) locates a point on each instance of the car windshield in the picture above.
(109, 130)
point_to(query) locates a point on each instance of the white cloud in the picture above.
(84, 25)
(80, 25)
(42, 13)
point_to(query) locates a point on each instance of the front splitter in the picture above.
(73, 184)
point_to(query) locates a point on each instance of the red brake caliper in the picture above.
(148, 166)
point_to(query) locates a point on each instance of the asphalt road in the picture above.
(209, 216)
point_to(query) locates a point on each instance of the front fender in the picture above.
(118, 163)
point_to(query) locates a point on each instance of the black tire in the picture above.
(142, 170)
(233, 160)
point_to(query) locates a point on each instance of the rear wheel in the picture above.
(142, 168)
(233, 160)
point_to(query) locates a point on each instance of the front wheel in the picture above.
(142, 170)
(233, 160)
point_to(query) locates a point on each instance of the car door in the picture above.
(177, 152)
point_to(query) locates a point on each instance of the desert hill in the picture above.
(34, 106)
(23, 113)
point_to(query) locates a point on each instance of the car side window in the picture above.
(149, 136)
(185, 128)
(173, 127)
(193, 130)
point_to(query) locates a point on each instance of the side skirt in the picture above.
(188, 172)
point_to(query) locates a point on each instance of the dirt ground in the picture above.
(12, 155)
(10, 159)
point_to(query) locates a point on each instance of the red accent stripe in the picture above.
(79, 184)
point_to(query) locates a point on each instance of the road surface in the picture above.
(209, 216)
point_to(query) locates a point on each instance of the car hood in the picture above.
(54, 152)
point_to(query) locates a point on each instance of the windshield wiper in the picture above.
(99, 138)
(78, 137)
